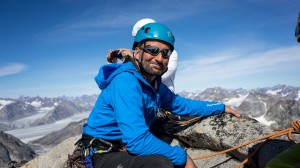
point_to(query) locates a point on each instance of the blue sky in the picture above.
(55, 47)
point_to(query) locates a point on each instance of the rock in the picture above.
(283, 112)
(219, 133)
(220, 161)
(13, 150)
(56, 137)
(56, 157)
(256, 104)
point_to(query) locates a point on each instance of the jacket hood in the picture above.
(109, 71)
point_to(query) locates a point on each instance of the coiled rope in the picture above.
(294, 129)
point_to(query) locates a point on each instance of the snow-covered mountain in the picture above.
(35, 116)
(13, 110)
(274, 106)
(26, 112)
(289, 92)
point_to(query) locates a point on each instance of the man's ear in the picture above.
(136, 53)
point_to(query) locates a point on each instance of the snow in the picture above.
(281, 108)
(45, 109)
(33, 133)
(298, 98)
(197, 94)
(36, 104)
(273, 92)
(235, 102)
(262, 120)
(25, 122)
(4, 103)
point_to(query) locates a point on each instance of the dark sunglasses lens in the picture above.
(166, 53)
(152, 50)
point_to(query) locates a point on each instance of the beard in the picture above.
(153, 68)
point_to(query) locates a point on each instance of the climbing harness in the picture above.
(100, 151)
(294, 129)
(88, 146)
(100, 146)
(77, 158)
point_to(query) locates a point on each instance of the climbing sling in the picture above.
(87, 146)
(80, 157)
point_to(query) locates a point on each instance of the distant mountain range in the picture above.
(274, 106)
(33, 111)
(221, 94)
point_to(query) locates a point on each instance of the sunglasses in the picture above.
(153, 50)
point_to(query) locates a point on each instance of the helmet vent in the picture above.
(147, 29)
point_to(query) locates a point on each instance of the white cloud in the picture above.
(224, 66)
(109, 17)
(11, 69)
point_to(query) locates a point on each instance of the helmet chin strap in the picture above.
(141, 54)
(138, 62)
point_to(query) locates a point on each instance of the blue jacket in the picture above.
(126, 106)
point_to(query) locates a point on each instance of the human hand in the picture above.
(125, 52)
(110, 58)
(232, 111)
(189, 163)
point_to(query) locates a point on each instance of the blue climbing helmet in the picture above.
(154, 31)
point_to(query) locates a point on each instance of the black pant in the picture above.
(120, 159)
(125, 160)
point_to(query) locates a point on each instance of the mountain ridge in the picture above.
(277, 105)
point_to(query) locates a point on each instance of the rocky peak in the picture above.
(61, 111)
(16, 110)
(216, 94)
(283, 112)
(12, 149)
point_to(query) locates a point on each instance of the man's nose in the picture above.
(159, 57)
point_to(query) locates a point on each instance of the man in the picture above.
(131, 98)
(168, 77)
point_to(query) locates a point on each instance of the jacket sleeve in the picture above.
(128, 107)
(184, 106)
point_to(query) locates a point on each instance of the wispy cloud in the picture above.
(229, 65)
(11, 69)
(109, 17)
